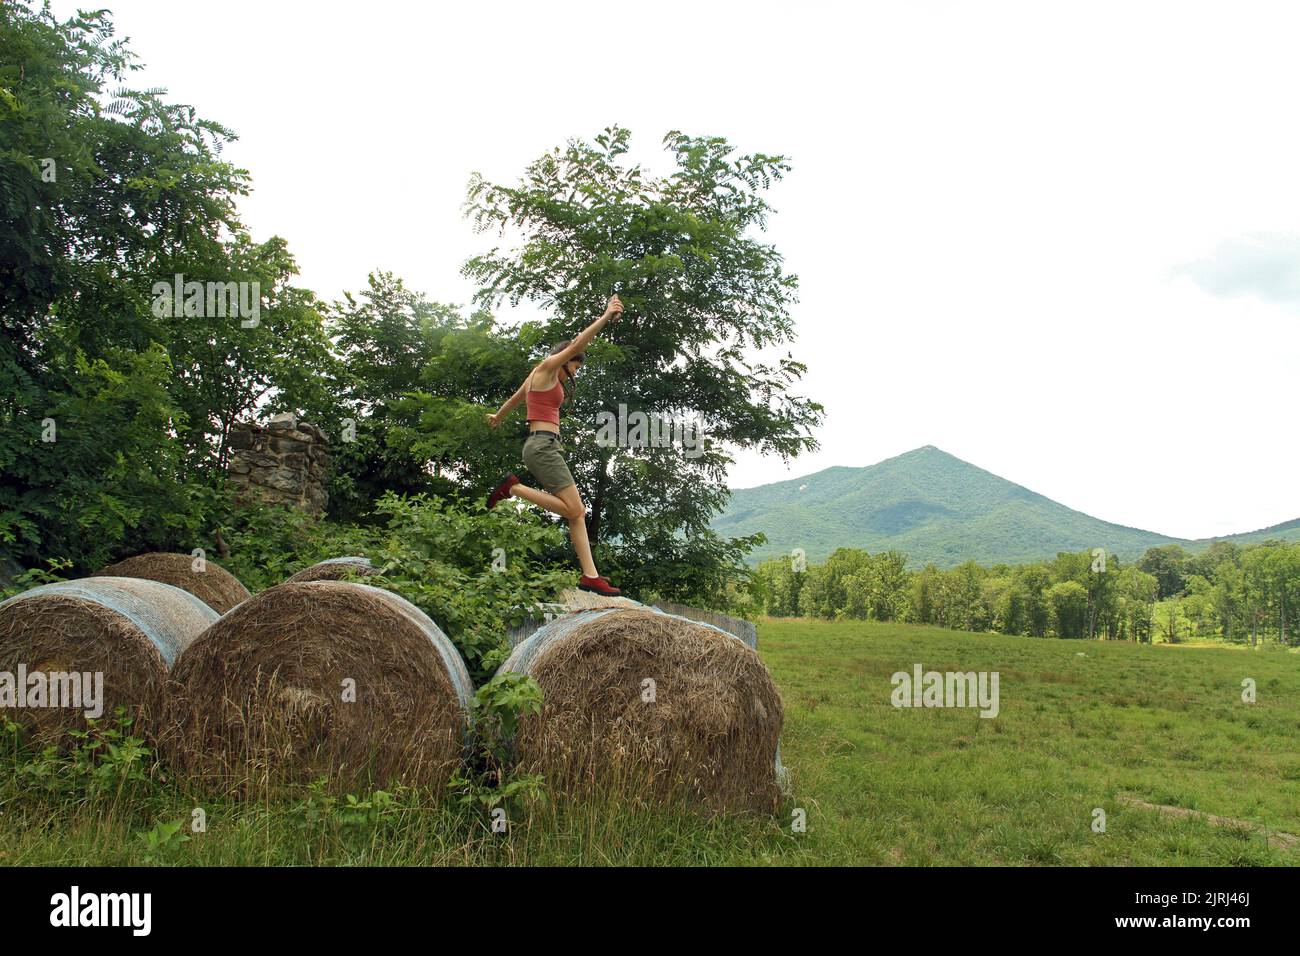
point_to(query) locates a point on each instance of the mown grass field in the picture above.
(1080, 724)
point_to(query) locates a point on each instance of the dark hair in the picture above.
(570, 387)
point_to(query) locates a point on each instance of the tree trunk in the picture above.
(1282, 615)
(597, 501)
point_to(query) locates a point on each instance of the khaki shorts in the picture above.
(544, 456)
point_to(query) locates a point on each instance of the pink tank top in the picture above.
(544, 406)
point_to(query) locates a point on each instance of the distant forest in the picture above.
(1231, 592)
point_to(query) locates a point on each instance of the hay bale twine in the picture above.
(128, 630)
(334, 569)
(706, 728)
(320, 678)
(214, 585)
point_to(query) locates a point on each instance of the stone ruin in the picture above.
(284, 463)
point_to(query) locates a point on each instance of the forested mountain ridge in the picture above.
(933, 507)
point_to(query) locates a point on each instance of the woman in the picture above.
(543, 391)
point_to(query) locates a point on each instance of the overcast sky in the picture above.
(1059, 241)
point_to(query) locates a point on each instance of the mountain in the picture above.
(933, 507)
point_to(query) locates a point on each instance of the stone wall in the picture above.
(284, 463)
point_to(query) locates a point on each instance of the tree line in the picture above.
(1236, 593)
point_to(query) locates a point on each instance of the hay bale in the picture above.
(747, 631)
(334, 569)
(214, 585)
(709, 733)
(262, 697)
(128, 630)
(578, 600)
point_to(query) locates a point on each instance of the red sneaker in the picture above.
(598, 585)
(502, 490)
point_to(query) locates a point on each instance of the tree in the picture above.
(1171, 617)
(1168, 563)
(1273, 568)
(889, 582)
(778, 585)
(1137, 596)
(413, 377)
(1069, 603)
(1198, 605)
(122, 488)
(922, 595)
(227, 370)
(1218, 553)
(700, 296)
(1032, 583)
(106, 193)
(1229, 596)
(99, 193)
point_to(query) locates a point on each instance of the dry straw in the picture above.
(639, 702)
(215, 586)
(319, 679)
(128, 630)
(335, 569)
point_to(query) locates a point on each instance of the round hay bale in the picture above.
(639, 701)
(320, 678)
(214, 585)
(334, 569)
(126, 630)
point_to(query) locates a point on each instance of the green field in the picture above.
(1080, 723)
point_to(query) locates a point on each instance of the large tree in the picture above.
(1168, 562)
(106, 192)
(414, 376)
(97, 185)
(704, 301)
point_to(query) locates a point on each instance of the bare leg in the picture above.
(576, 512)
(548, 501)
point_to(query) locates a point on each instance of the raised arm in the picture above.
(613, 310)
(510, 403)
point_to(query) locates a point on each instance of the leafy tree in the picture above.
(97, 190)
(230, 369)
(777, 585)
(1032, 583)
(386, 339)
(1168, 563)
(122, 486)
(1069, 603)
(963, 593)
(888, 586)
(1212, 557)
(922, 595)
(1229, 596)
(105, 193)
(702, 298)
(1137, 597)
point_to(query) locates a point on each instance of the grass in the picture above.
(1080, 723)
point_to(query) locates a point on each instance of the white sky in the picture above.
(1058, 241)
